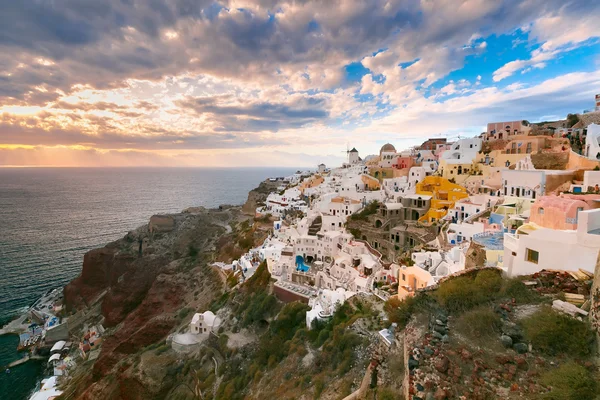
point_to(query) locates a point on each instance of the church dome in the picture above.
(388, 148)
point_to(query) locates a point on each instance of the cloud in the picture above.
(267, 75)
(568, 27)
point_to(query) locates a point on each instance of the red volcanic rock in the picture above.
(465, 354)
(442, 364)
(101, 268)
(440, 394)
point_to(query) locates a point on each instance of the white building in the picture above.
(396, 188)
(592, 142)
(524, 184)
(204, 323)
(387, 156)
(324, 305)
(533, 248)
(462, 152)
(464, 231)
(591, 179)
(441, 263)
(271, 249)
(430, 167)
(48, 390)
(321, 168)
(278, 204)
(344, 206)
(474, 204)
(416, 175)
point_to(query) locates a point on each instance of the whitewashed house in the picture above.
(343, 206)
(524, 184)
(463, 151)
(204, 323)
(534, 248)
(592, 142)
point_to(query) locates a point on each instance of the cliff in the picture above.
(257, 197)
(140, 288)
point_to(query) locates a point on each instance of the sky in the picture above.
(280, 82)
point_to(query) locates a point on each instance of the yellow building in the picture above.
(458, 172)
(311, 182)
(370, 182)
(380, 173)
(443, 196)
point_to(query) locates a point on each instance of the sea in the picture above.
(49, 217)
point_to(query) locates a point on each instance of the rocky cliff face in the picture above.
(258, 196)
(142, 283)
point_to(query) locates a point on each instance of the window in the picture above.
(532, 256)
(540, 210)
(528, 148)
(403, 277)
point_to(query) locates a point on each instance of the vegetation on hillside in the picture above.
(570, 381)
(369, 209)
(553, 333)
(286, 337)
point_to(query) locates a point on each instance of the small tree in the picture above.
(572, 119)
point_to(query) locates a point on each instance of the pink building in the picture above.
(592, 200)
(404, 162)
(555, 212)
(503, 130)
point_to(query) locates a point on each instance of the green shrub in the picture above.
(192, 251)
(458, 294)
(465, 292)
(554, 333)
(570, 381)
(355, 232)
(319, 387)
(369, 209)
(247, 241)
(479, 322)
(400, 311)
(516, 289)
(184, 312)
(488, 282)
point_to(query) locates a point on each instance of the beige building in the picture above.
(505, 130)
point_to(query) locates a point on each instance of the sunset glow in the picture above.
(238, 83)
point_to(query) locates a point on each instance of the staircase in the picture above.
(315, 226)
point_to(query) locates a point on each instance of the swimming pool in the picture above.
(490, 240)
(300, 266)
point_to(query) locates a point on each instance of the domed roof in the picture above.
(388, 148)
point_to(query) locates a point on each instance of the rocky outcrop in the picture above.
(145, 279)
(258, 196)
(161, 223)
(475, 256)
(101, 269)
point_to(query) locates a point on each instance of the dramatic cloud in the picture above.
(129, 80)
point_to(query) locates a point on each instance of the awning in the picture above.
(517, 218)
(58, 346)
(54, 357)
(527, 229)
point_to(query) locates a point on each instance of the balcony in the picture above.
(511, 241)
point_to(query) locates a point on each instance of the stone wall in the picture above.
(288, 296)
(595, 300)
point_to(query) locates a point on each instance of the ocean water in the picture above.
(49, 217)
